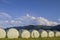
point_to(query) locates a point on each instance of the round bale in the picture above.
(44, 33)
(12, 33)
(2, 33)
(57, 34)
(35, 34)
(25, 34)
(50, 34)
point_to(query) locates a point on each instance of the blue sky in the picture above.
(49, 9)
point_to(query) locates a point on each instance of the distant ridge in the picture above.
(37, 27)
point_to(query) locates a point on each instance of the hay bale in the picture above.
(25, 34)
(57, 34)
(35, 34)
(51, 34)
(12, 33)
(2, 33)
(44, 33)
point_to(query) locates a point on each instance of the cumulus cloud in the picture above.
(27, 20)
(15, 23)
(31, 20)
(7, 21)
(43, 21)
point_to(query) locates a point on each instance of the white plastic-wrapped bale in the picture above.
(50, 34)
(35, 34)
(12, 33)
(2, 33)
(44, 33)
(57, 34)
(25, 34)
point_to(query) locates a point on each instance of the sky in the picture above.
(22, 12)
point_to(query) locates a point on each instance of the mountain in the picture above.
(37, 27)
(57, 27)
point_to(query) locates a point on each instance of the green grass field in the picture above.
(57, 38)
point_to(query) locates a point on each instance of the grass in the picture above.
(53, 38)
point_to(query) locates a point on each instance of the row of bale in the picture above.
(14, 33)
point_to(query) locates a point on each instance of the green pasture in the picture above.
(53, 38)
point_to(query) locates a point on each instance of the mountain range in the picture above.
(37, 27)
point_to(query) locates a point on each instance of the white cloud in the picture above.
(4, 23)
(58, 19)
(15, 23)
(31, 20)
(43, 21)
(7, 21)
(28, 15)
(4, 16)
(26, 20)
